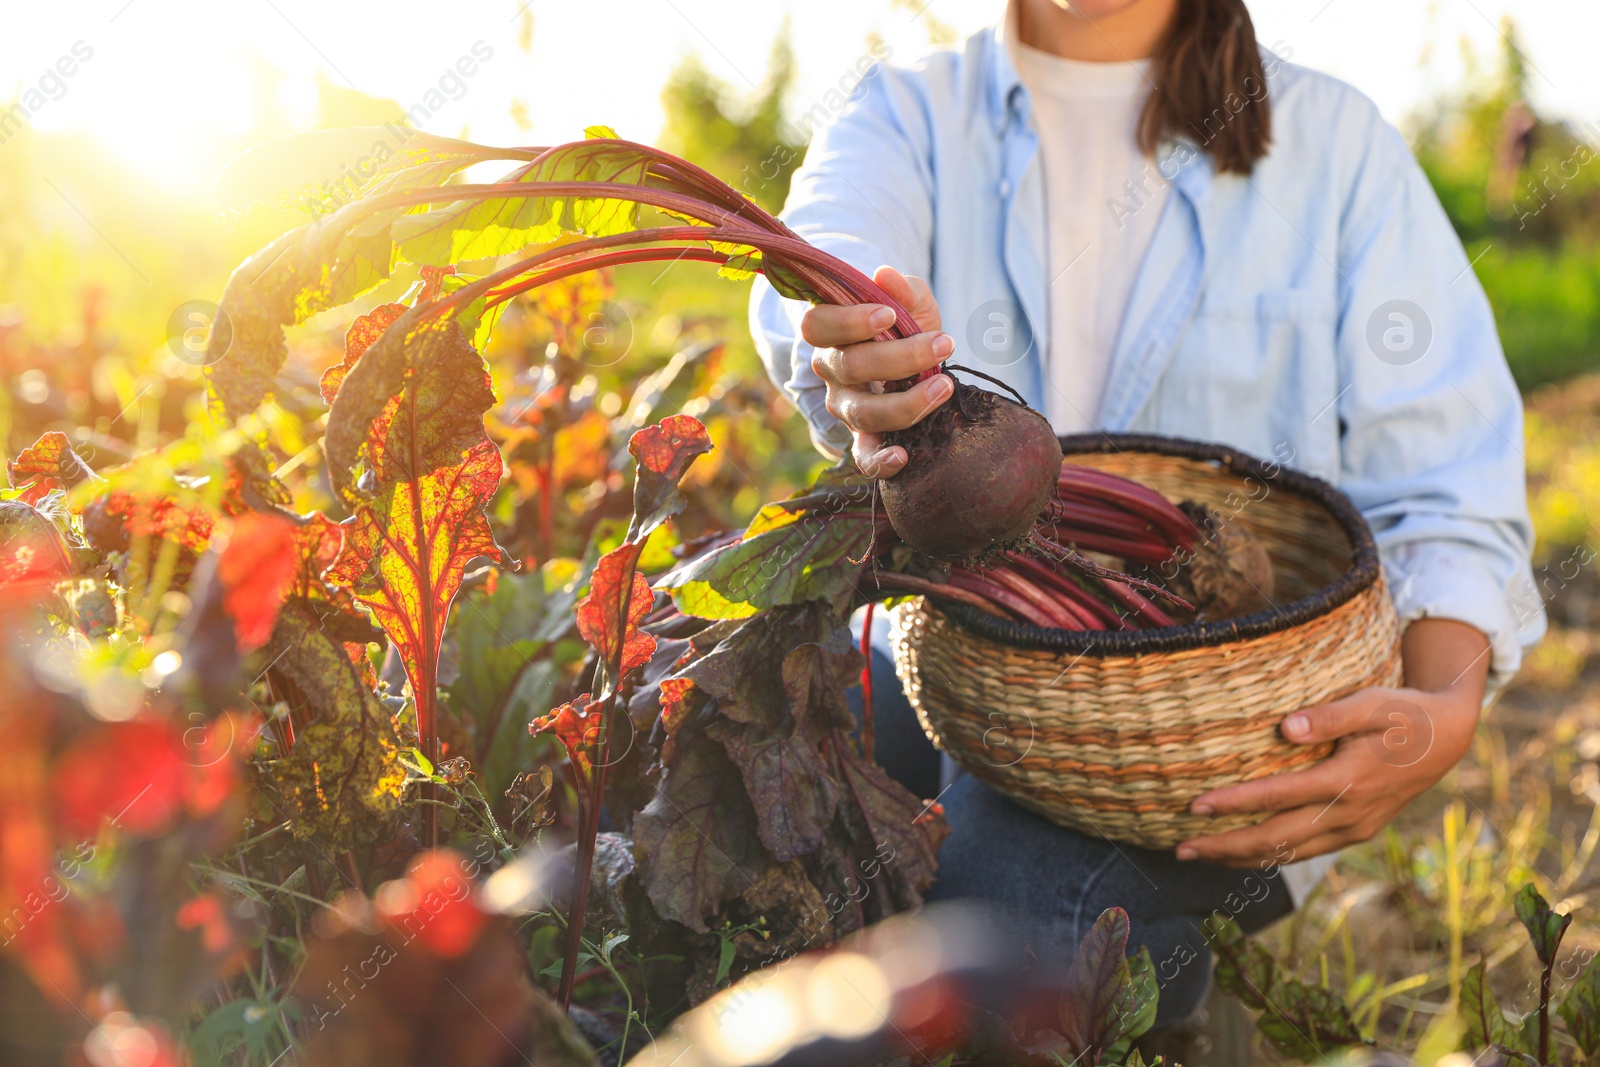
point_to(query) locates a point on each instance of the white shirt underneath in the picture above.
(1102, 199)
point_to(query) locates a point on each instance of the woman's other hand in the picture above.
(1391, 746)
(855, 367)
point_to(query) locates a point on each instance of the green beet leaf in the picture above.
(1106, 1004)
(511, 657)
(483, 229)
(1581, 1010)
(788, 555)
(1545, 927)
(1483, 1023)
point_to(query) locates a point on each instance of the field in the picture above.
(463, 679)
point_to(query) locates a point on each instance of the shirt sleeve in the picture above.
(864, 193)
(1431, 420)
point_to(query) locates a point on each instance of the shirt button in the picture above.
(1005, 187)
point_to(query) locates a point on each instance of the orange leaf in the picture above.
(51, 464)
(664, 452)
(357, 339)
(256, 570)
(431, 468)
(576, 725)
(433, 281)
(609, 617)
(674, 703)
(162, 517)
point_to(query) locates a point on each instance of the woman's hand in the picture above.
(854, 366)
(1393, 744)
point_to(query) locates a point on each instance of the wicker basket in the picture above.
(1114, 733)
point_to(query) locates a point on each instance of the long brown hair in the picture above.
(1211, 87)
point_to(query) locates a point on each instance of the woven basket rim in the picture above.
(1363, 573)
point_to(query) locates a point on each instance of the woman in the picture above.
(1139, 219)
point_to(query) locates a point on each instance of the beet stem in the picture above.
(1131, 599)
(1019, 605)
(1088, 566)
(909, 583)
(866, 681)
(1075, 594)
(1063, 617)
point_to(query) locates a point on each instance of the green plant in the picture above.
(1309, 1022)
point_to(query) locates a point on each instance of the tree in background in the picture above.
(1524, 195)
(742, 138)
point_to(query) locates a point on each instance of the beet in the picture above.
(978, 472)
(1229, 573)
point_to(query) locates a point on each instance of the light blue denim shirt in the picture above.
(1320, 312)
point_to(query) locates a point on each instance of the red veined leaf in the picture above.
(46, 465)
(675, 702)
(696, 840)
(317, 544)
(1108, 998)
(432, 281)
(256, 570)
(410, 416)
(609, 617)
(576, 725)
(367, 328)
(122, 516)
(357, 339)
(482, 229)
(664, 452)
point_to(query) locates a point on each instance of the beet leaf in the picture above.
(408, 449)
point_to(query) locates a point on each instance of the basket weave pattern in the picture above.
(1104, 737)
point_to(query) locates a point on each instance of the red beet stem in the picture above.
(1149, 552)
(866, 680)
(908, 583)
(1088, 566)
(1077, 511)
(1141, 607)
(1015, 603)
(1104, 488)
(1061, 616)
(1102, 615)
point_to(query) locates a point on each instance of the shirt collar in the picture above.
(1007, 90)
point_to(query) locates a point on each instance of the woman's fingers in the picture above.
(864, 411)
(855, 366)
(881, 361)
(830, 325)
(833, 326)
(1251, 845)
(912, 293)
(875, 459)
(1277, 792)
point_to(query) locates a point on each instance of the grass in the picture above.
(1399, 919)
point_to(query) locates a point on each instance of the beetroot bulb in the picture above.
(979, 470)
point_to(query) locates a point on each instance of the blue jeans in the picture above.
(1052, 882)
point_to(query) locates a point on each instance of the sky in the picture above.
(165, 81)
